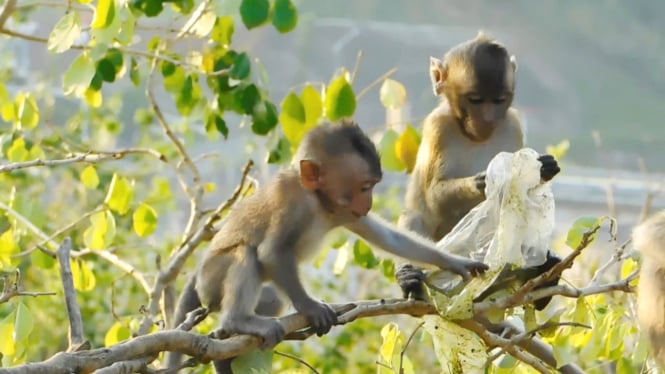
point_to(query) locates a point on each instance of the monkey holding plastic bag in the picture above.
(473, 123)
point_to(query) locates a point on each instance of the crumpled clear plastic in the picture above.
(515, 222)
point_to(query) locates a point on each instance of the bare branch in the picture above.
(205, 348)
(125, 266)
(90, 157)
(298, 359)
(11, 289)
(378, 80)
(73, 311)
(7, 11)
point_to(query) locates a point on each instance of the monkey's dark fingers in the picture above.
(549, 167)
(479, 179)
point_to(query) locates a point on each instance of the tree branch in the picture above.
(11, 289)
(84, 157)
(7, 11)
(73, 311)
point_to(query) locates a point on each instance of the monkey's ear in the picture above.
(438, 74)
(309, 174)
(513, 62)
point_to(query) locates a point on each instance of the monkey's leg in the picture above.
(270, 304)
(240, 297)
(189, 300)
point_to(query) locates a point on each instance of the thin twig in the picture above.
(359, 59)
(11, 289)
(298, 359)
(406, 345)
(7, 10)
(73, 310)
(378, 80)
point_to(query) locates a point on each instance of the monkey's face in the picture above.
(348, 185)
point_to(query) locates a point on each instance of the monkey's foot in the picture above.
(411, 280)
(269, 329)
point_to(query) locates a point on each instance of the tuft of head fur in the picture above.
(331, 139)
(482, 55)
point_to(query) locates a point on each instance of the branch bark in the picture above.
(76, 338)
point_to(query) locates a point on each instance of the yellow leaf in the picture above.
(101, 232)
(84, 278)
(7, 343)
(406, 147)
(89, 177)
(390, 334)
(104, 14)
(120, 195)
(144, 220)
(392, 94)
(93, 97)
(210, 187)
(560, 150)
(7, 247)
(117, 333)
(628, 267)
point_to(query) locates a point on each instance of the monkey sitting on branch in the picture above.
(649, 239)
(267, 235)
(472, 124)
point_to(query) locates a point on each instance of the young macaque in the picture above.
(471, 125)
(267, 235)
(649, 239)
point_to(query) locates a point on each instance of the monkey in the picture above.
(649, 240)
(474, 122)
(267, 235)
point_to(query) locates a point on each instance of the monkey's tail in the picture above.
(188, 301)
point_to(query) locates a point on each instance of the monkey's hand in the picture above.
(549, 167)
(411, 280)
(465, 267)
(320, 316)
(479, 179)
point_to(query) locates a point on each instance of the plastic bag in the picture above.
(515, 222)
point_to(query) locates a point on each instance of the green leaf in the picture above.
(340, 99)
(392, 94)
(117, 333)
(145, 220)
(120, 194)
(363, 255)
(218, 124)
(223, 31)
(285, 16)
(27, 111)
(250, 97)
(254, 13)
(241, 67)
(89, 177)
(134, 74)
(281, 153)
(127, 26)
(101, 232)
(387, 149)
(84, 278)
(256, 361)
(17, 151)
(388, 268)
(24, 322)
(106, 70)
(313, 102)
(264, 118)
(580, 227)
(79, 75)
(292, 118)
(65, 33)
(104, 14)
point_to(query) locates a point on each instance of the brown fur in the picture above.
(459, 137)
(267, 235)
(649, 239)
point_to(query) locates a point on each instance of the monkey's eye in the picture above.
(499, 100)
(475, 100)
(366, 187)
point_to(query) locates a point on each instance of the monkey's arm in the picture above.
(410, 246)
(458, 194)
